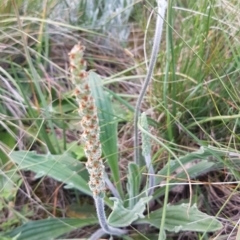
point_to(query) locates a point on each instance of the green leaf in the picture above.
(76, 149)
(194, 171)
(108, 125)
(7, 140)
(9, 238)
(197, 169)
(183, 218)
(202, 154)
(9, 185)
(49, 229)
(60, 167)
(123, 217)
(134, 180)
(205, 155)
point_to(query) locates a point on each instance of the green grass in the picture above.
(199, 80)
(192, 103)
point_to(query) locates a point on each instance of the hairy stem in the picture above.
(156, 42)
(111, 187)
(97, 235)
(103, 221)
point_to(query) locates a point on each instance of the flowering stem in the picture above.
(103, 221)
(91, 134)
(156, 42)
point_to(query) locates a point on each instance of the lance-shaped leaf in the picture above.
(182, 218)
(49, 229)
(60, 167)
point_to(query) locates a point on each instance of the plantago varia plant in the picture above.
(128, 208)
